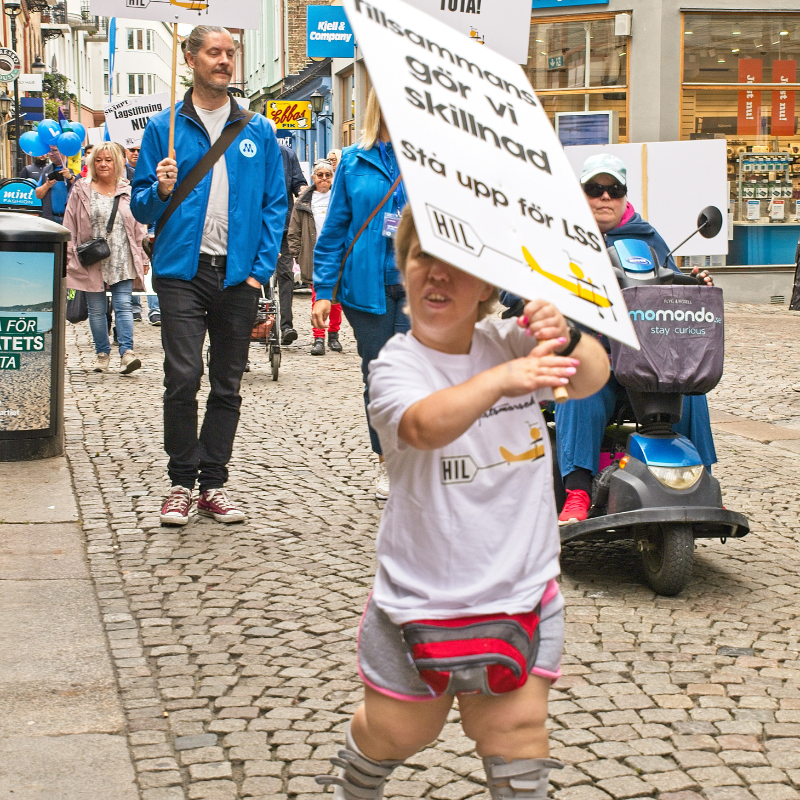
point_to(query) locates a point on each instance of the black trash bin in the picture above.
(33, 254)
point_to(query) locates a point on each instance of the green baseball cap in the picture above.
(604, 164)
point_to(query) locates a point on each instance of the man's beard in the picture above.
(214, 88)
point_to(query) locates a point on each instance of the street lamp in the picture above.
(5, 104)
(38, 67)
(317, 103)
(12, 9)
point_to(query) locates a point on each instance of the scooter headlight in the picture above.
(678, 477)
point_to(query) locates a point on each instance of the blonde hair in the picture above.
(406, 231)
(117, 153)
(372, 122)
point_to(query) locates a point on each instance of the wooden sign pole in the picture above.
(174, 79)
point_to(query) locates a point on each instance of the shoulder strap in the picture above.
(203, 166)
(113, 216)
(362, 229)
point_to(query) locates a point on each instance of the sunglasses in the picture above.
(323, 174)
(615, 191)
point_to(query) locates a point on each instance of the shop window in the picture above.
(578, 64)
(739, 84)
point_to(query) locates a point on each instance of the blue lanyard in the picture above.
(400, 191)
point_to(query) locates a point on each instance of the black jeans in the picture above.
(188, 310)
(283, 272)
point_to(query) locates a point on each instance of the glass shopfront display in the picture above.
(739, 83)
(577, 64)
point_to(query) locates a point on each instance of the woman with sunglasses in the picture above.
(580, 423)
(308, 217)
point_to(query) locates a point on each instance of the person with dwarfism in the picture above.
(465, 602)
(208, 273)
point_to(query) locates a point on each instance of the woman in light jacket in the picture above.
(369, 286)
(87, 214)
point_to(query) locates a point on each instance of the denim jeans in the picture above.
(188, 310)
(98, 324)
(152, 305)
(285, 276)
(372, 331)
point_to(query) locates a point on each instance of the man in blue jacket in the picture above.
(208, 273)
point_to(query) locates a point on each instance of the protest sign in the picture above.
(502, 25)
(126, 119)
(242, 14)
(491, 188)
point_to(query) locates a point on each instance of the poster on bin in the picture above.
(490, 185)
(127, 119)
(242, 14)
(26, 340)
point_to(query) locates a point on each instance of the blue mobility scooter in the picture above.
(656, 490)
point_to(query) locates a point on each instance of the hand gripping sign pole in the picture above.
(488, 181)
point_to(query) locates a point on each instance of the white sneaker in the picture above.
(129, 363)
(101, 361)
(382, 482)
(795, 388)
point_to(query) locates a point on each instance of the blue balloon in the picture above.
(79, 129)
(48, 131)
(68, 144)
(31, 144)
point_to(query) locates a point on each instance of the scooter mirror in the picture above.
(709, 222)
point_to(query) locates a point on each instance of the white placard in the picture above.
(126, 119)
(490, 185)
(502, 25)
(242, 14)
(30, 83)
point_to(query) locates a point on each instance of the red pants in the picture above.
(334, 320)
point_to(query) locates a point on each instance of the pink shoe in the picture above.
(215, 503)
(576, 509)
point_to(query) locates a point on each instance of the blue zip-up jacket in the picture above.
(256, 195)
(360, 183)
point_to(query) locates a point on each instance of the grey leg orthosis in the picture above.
(521, 779)
(359, 777)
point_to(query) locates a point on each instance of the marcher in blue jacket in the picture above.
(368, 286)
(580, 424)
(209, 262)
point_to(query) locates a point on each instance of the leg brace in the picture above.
(521, 779)
(359, 777)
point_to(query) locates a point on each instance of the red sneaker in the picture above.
(215, 503)
(576, 509)
(175, 510)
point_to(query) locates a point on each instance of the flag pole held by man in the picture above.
(208, 274)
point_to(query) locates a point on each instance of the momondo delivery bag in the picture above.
(681, 331)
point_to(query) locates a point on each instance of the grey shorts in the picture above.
(385, 663)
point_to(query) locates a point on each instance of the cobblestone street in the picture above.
(234, 647)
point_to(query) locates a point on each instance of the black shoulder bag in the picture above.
(198, 172)
(97, 249)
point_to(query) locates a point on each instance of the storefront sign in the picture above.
(783, 100)
(502, 25)
(328, 33)
(30, 83)
(16, 194)
(127, 119)
(292, 115)
(490, 185)
(555, 62)
(10, 66)
(26, 340)
(749, 116)
(563, 3)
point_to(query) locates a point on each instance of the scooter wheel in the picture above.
(667, 553)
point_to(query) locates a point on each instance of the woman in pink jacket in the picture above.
(88, 211)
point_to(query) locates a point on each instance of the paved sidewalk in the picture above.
(62, 729)
(233, 647)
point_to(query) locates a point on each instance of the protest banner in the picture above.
(490, 186)
(243, 14)
(502, 25)
(126, 119)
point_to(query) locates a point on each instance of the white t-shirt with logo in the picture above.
(215, 228)
(319, 208)
(469, 528)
